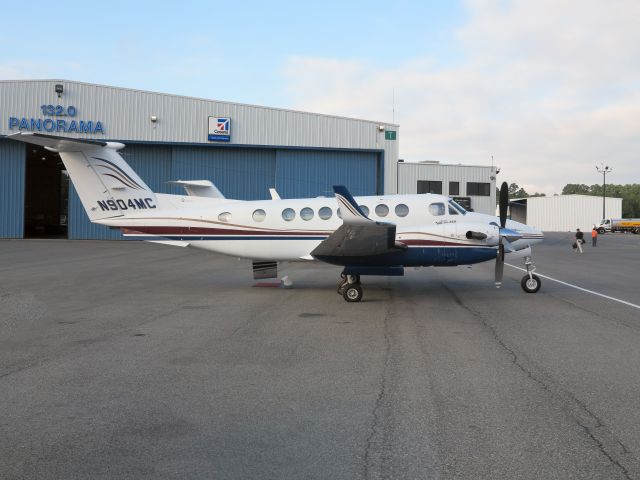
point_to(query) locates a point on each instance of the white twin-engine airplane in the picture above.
(376, 235)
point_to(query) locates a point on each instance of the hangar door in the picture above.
(239, 173)
(312, 173)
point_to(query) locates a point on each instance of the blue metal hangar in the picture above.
(243, 149)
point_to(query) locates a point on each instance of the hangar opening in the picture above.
(46, 195)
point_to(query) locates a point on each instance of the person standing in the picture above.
(594, 236)
(579, 239)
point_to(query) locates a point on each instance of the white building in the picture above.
(472, 186)
(563, 213)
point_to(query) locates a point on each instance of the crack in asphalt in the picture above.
(579, 407)
(382, 392)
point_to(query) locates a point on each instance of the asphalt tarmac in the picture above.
(141, 361)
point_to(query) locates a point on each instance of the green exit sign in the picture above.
(389, 135)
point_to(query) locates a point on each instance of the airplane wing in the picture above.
(358, 235)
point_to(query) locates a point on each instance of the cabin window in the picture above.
(288, 214)
(325, 213)
(225, 217)
(453, 211)
(402, 210)
(259, 215)
(339, 213)
(382, 210)
(436, 209)
(306, 213)
(364, 209)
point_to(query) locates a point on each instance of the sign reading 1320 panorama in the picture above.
(219, 129)
(56, 118)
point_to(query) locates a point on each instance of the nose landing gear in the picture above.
(530, 283)
(350, 288)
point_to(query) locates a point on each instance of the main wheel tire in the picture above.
(352, 293)
(601, 231)
(531, 285)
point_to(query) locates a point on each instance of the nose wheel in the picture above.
(530, 283)
(350, 288)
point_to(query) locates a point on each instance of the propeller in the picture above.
(503, 205)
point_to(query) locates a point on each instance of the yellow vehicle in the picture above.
(619, 225)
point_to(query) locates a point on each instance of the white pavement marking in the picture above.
(579, 288)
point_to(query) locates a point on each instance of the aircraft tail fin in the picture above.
(107, 186)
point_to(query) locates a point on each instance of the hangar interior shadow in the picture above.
(46, 196)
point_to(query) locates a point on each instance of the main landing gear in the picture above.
(530, 283)
(349, 287)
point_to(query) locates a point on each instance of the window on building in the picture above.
(259, 215)
(479, 189)
(436, 209)
(325, 213)
(402, 210)
(288, 214)
(454, 188)
(306, 213)
(429, 186)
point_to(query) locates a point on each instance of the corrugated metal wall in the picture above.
(311, 173)
(410, 173)
(12, 174)
(239, 173)
(126, 116)
(565, 213)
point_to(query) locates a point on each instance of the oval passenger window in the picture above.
(382, 210)
(325, 213)
(259, 215)
(364, 209)
(306, 213)
(288, 214)
(225, 217)
(402, 210)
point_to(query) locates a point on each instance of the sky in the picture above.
(548, 88)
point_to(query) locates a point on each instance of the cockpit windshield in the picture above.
(457, 207)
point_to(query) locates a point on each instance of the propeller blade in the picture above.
(499, 265)
(504, 203)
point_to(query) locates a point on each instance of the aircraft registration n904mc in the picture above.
(376, 235)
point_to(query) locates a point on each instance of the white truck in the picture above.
(619, 225)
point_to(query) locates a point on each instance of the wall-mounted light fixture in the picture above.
(154, 118)
(381, 128)
(59, 89)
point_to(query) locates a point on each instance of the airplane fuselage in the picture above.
(433, 229)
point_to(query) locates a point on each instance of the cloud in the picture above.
(549, 88)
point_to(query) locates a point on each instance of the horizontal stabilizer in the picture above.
(199, 188)
(61, 144)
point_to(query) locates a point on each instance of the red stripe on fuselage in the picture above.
(166, 231)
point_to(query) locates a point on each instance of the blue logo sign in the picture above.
(219, 129)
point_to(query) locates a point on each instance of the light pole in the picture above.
(604, 169)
